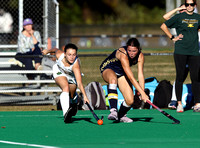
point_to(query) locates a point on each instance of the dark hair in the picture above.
(194, 1)
(134, 43)
(32, 28)
(70, 45)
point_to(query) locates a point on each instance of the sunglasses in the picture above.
(191, 4)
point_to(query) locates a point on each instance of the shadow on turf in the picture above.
(75, 120)
(78, 119)
(144, 119)
(148, 119)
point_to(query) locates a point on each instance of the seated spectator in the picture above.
(29, 42)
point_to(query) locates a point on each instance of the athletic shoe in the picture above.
(113, 114)
(196, 108)
(125, 119)
(68, 115)
(179, 108)
(172, 105)
(74, 109)
(40, 67)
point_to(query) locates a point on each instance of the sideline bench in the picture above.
(14, 85)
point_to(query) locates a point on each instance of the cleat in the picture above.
(40, 67)
(113, 114)
(74, 109)
(196, 108)
(68, 116)
(125, 119)
(172, 105)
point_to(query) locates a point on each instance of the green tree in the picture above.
(111, 11)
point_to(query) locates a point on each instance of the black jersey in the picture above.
(111, 62)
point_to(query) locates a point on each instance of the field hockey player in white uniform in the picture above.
(67, 74)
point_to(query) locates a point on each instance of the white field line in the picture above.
(26, 144)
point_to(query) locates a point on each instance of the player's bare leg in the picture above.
(126, 88)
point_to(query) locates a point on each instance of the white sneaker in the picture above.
(196, 108)
(172, 105)
(113, 114)
(40, 67)
(180, 108)
(125, 119)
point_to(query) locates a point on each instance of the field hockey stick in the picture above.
(164, 113)
(93, 113)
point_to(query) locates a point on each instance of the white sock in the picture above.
(173, 93)
(112, 86)
(124, 104)
(64, 101)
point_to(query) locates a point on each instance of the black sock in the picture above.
(123, 110)
(113, 103)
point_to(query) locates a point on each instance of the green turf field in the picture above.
(150, 129)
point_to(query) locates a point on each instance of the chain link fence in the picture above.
(44, 14)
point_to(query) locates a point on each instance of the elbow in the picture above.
(162, 26)
(165, 18)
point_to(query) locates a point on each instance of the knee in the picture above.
(129, 102)
(113, 81)
(65, 89)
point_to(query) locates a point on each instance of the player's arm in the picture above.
(77, 73)
(141, 70)
(125, 64)
(57, 52)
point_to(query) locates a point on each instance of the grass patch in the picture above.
(161, 67)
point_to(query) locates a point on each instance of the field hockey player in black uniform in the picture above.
(116, 71)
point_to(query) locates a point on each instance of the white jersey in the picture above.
(59, 69)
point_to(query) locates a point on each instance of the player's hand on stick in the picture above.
(144, 97)
(86, 99)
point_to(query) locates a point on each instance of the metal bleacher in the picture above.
(16, 89)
